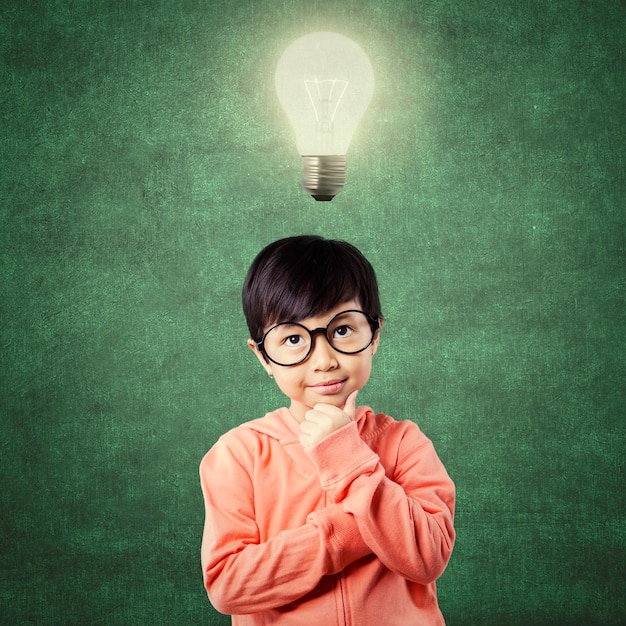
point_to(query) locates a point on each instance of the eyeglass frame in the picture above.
(322, 330)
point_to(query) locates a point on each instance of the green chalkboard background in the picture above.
(145, 161)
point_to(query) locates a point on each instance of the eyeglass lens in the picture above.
(289, 343)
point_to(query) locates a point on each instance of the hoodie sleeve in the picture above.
(405, 513)
(241, 573)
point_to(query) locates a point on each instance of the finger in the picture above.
(314, 415)
(350, 405)
(322, 411)
(307, 427)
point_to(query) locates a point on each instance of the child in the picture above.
(323, 512)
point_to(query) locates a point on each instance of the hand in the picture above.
(324, 419)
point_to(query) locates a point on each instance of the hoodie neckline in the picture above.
(282, 425)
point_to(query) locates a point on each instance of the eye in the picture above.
(342, 331)
(293, 341)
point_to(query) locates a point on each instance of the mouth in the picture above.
(329, 387)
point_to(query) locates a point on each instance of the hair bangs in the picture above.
(310, 288)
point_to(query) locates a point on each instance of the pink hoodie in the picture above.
(354, 530)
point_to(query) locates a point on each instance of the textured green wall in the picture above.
(145, 161)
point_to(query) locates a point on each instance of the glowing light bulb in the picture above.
(324, 82)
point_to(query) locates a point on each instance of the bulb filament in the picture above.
(325, 100)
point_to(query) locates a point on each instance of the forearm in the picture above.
(243, 577)
(409, 540)
(408, 524)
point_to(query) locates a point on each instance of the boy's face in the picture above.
(326, 376)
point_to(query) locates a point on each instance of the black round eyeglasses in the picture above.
(291, 343)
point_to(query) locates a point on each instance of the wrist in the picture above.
(340, 458)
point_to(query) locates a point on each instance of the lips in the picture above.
(329, 387)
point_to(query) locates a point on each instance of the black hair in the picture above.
(304, 276)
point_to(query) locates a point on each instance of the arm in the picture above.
(406, 519)
(243, 574)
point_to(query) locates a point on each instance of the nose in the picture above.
(322, 356)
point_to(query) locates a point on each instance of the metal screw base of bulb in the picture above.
(324, 176)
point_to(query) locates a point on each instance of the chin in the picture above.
(338, 401)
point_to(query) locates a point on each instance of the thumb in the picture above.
(350, 406)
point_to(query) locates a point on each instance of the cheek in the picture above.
(288, 382)
(364, 369)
